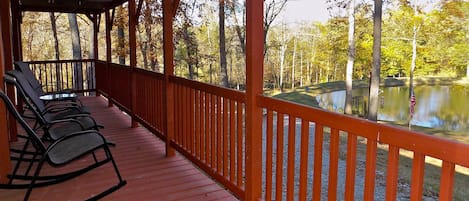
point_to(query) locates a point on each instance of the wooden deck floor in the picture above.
(141, 159)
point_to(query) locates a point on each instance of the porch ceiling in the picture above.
(68, 6)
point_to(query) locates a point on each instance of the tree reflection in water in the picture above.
(441, 107)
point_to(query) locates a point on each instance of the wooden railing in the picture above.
(209, 130)
(114, 82)
(77, 75)
(149, 105)
(308, 153)
(313, 144)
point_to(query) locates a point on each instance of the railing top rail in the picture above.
(334, 120)
(59, 61)
(155, 75)
(119, 65)
(213, 89)
(437, 147)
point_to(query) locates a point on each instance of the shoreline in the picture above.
(306, 95)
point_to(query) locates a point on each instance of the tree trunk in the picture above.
(221, 29)
(121, 35)
(293, 66)
(467, 70)
(143, 48)
(58, 72)
(282, 65)
(191, 51)
(376, 65)
(76, 49)
(351, 59)
(283, 49)
(150, 41)
(301, 69)
(414, 55)
(239, 32)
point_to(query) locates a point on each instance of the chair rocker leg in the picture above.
(51, 179)
(20, 159)
(120, 184)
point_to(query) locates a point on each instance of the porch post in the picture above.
(168, 48)
(4, 141)
(16, 26)
(95, 36)
(8, 58)
(95, 50)
(133, 59)
(254, 81)
(108, 55)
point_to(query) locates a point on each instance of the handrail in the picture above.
(59, 75)
(213, 89)
(60, 61)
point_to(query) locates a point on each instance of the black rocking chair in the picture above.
(60, 153)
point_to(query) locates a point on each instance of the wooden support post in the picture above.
(254, 82)
(168, 47)
(16, 26)
(133, 60)
(4, 138)
(17, 49)
(95, 49)
(108, 54)
(8, 59)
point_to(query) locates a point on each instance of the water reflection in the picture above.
(442, 107)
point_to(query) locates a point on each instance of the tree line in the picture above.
(210, 36)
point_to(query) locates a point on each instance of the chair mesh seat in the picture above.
(72, 149)
(63, 114)
(61, 130)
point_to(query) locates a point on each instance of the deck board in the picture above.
(141, 159)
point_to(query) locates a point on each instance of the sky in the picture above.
(305, 10)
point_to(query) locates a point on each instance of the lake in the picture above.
(440, 107)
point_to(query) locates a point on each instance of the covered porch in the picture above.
(142, 162)
(256, 147)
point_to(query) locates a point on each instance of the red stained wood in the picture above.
(333, 164)
(254, 83)
(291, 157)
(351, 167)
(392, 173)
(317, 179)
(279, 160)
(304, 159)
(4, 148)
(141, 158)
(418, 169)
(447, 181)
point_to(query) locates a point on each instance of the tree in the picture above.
(283, 49)
(121, 35)
(415, 30)
(272, 8)
(53, 22)
(351, 58)
(76, 47)
(222, 38)
(376, 65)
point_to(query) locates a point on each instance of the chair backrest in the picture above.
(27, 89)
(35, 139)
(11, 80)
(29, 75)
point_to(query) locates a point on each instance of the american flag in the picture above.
(412, 105)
